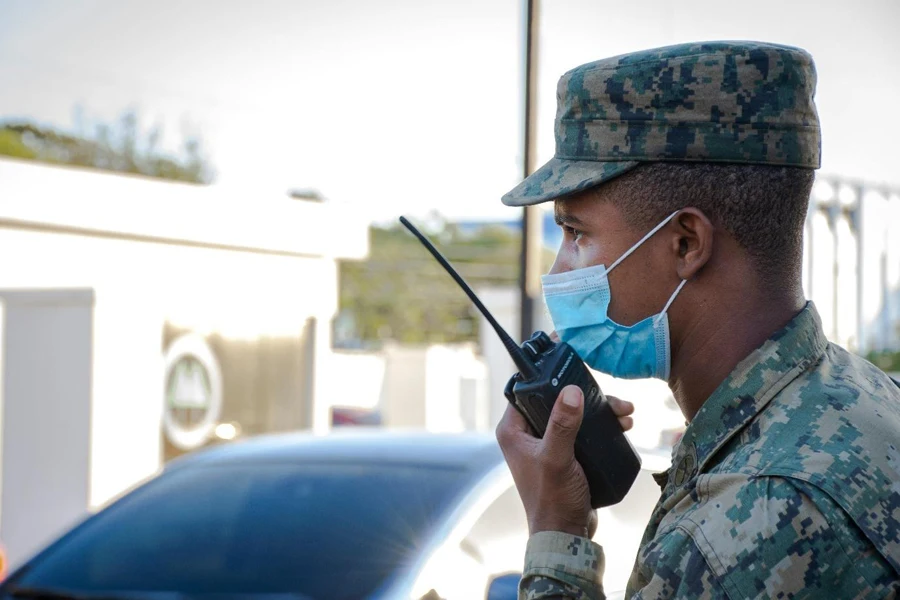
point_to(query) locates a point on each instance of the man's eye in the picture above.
(572, 232)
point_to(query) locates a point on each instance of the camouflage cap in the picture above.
(730, 102)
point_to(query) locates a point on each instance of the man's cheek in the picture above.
(590, 259)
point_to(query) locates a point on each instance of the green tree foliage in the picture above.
(11, 144)
(401, 293)
(120, 146)
(887, 360)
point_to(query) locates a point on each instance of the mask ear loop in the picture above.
(658, 317)
(643, 239)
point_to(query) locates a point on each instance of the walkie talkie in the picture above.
(545, 368)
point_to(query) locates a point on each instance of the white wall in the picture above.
(45, 403)
(85, 200)
(403, 394)
(450, 373)
(365, 369)
(153, 252)
(438, 388)
(138, 287)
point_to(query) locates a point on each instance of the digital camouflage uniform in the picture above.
(786, 483)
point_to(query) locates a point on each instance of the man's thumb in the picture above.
(565, 419)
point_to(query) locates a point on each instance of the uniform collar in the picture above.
(747, 390)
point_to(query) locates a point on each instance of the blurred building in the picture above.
(144, 319)
(852, 262)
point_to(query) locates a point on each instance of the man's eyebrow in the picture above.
(565, 218)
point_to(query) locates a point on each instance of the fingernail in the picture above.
(572, 397)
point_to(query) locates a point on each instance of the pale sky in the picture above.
(407, 106)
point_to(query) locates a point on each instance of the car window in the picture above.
(497, 539)
(335, 532)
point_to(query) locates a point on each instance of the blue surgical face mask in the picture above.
(578, 302)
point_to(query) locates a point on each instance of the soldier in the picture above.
(681, 180)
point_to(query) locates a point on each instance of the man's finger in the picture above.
(512, 424)
(621, 408)
(565, 419)
(514, 419)
(593, 521)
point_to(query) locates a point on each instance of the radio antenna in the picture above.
(525, 366)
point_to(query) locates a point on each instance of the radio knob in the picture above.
(537, 344)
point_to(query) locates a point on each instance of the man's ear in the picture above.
(693, 241)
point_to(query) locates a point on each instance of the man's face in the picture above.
(594, 233)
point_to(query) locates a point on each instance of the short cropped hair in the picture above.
(762, 207)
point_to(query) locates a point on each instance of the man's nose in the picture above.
(560, 265)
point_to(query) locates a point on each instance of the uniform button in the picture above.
(686, 466)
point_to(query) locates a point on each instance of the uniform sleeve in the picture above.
(561, 566)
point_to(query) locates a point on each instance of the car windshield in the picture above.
(331, 531)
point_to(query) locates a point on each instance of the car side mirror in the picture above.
(504, 587)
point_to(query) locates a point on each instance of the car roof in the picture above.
(467, 451)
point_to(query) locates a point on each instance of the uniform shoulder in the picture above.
(836, 419)
(856, 372)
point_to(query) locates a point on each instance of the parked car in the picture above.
(350, 515)
(346, 516)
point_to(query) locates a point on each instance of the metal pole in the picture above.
(809, 249)
(834, 273)
(834, 289)
(832, 213)
(885, 299)
(530, 258)
(856, 221)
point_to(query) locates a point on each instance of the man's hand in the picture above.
(550, 481)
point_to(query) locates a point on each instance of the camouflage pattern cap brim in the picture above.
(728, 102)
(560, 178)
